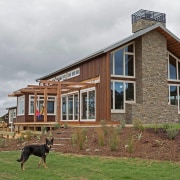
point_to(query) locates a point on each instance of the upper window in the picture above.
(173, 67)
(68, 75)
(122, 61)
(21, 105)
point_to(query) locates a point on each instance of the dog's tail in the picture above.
(19, 160)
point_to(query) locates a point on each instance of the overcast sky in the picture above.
(38, 37)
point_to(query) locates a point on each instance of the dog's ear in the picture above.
(52, 140)
(47, 140)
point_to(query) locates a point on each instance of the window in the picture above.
(68, 75)
(174, 96)
(173, 67)
(88, 104)
(40, 103)
(70, 107)
(122, 61)
(121, 92)
(21, 105)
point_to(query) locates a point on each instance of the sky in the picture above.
(38, 37)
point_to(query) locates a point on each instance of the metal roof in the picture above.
(173, 45)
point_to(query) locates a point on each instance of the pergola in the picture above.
(56, 88)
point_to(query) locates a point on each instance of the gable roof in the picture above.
(173, 45)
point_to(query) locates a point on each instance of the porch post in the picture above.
(45, 105)
(58, 110)
(35, 108)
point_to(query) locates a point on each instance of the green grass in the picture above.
(71, 167)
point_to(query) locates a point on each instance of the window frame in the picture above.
(177, 69)
(113, 110)
(38, 100)
(66, 106)
(21, 99)
(124, 60)
(87, 91)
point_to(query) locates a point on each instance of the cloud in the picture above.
(38, 37)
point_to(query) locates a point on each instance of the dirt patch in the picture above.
(149, 144)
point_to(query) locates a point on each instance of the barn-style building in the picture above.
(137, 78)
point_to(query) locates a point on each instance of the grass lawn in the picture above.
(86, 168)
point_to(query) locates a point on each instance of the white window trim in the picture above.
(20, 97)
(66, 96)
(125, 53)
(38, 99)
(177, 60)
(125, 101)
(82, 91)
(178, 87)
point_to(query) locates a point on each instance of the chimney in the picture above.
(144, 18)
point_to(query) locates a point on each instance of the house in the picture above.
(137, 78)
(11, 117)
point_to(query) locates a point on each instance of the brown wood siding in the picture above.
(98, 66)
(103, 90)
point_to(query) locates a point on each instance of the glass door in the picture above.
(88, 105)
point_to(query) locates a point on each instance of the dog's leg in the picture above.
(40, 162)
(22, 166)
(23, 161)
(44, 161)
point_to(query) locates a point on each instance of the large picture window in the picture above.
(122, 61)
(40, 103)
(21, 105)
(173, 67)
(121, 92)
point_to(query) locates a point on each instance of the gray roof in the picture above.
(113, 46)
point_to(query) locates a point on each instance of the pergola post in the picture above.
(58, 111)
(45, 105)
(35, 106)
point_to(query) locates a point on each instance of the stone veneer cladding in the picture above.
(151, 82)
(142, 24)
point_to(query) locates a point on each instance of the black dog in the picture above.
(37, 150)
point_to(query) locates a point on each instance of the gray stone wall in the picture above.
(142, 24)
(118, 117)
(151, 82)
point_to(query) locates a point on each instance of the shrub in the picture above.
(172, 133)
(138, 125)
(166, 126)
(3, 142)
(20, 139)
(130, 145)
(28, 135)
(156, 128)
(113, 140)
(65, 125)
(101, 138)
(118, 129)
(44, 130)
(79, 137)
(57, 126)
(123, 123)
(104, 127)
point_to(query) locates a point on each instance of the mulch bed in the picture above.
(148, 144)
